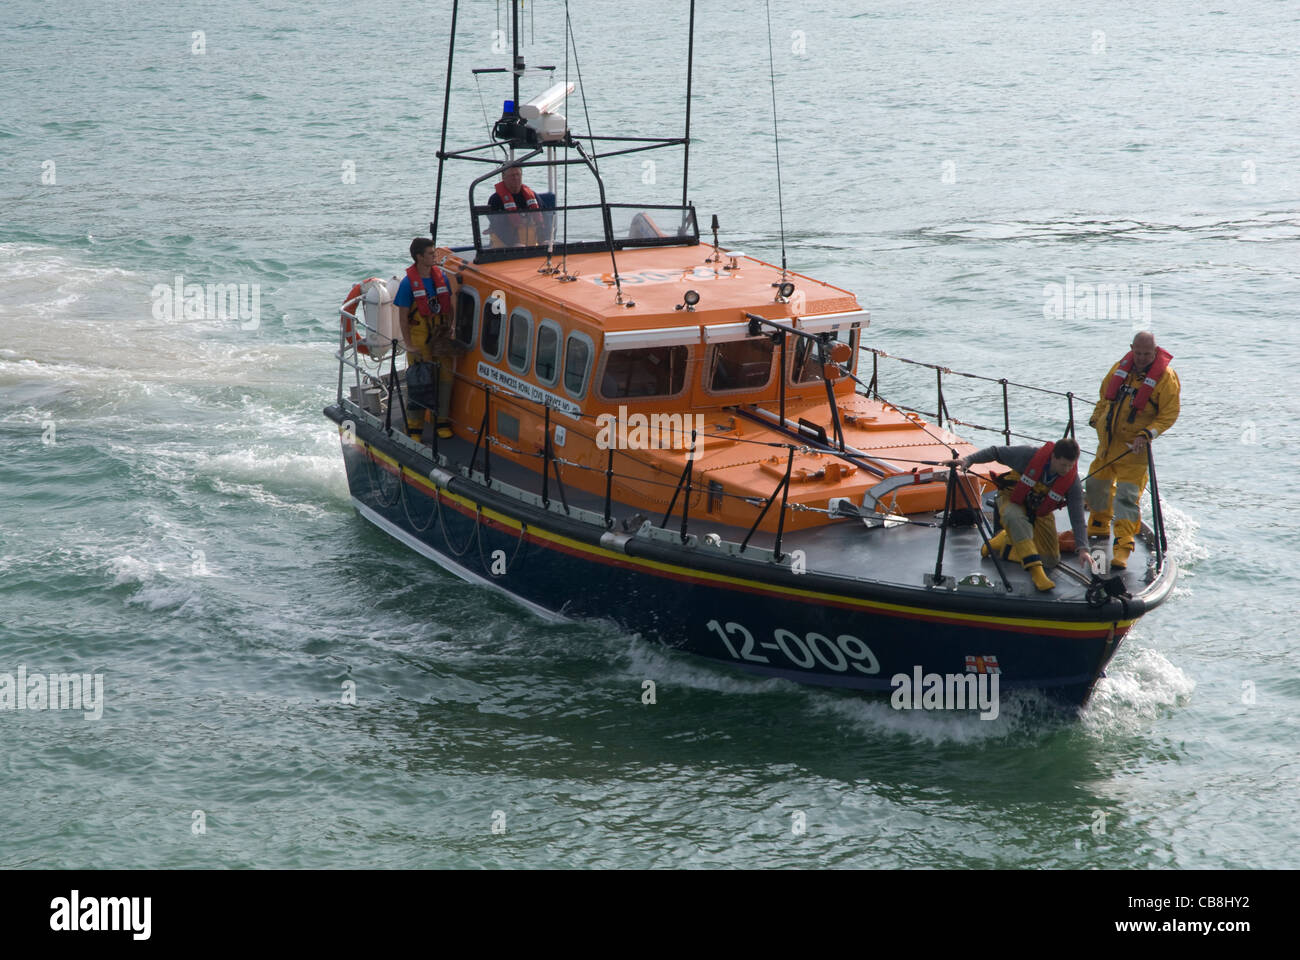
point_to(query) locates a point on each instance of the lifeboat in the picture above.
(653, 429)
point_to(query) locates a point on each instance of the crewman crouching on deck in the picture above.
(1139, 402)
(424, 310)
(1041, 480)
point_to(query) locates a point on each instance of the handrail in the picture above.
(941, 413)
(348, 355)
(684, 480)
(1157, 514)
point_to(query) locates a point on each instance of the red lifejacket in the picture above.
(420, 295)
(1154, 373)
(1055, 498)
(512, 208)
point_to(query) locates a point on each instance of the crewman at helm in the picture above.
(1041, 480)
(1139, 401)
(517, 213)
(424, 310)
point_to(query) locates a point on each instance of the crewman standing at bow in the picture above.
(517, 216)
(424, 311)
(1139, 402)
(1041, 480)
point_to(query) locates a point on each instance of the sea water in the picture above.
(285, 686)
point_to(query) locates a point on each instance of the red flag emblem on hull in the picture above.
(982, 665)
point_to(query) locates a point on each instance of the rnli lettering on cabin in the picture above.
(420, 296)
(1154, 373)
(1024, 492)
(525, 389)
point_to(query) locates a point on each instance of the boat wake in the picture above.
(1136, 689)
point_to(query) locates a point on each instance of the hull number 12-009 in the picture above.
(805, 652)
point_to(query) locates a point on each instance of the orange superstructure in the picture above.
(641, 375)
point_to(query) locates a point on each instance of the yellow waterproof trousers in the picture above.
(1116, 491)
(422, 349)
(1020, 527)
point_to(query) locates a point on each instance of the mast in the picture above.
(686, 146)
(446, 108)
(518, 67)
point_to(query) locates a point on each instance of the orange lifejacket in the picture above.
(512, 208)
(1154, 373)
(441, 288)
(1054, 499)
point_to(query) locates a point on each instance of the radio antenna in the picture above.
(780, 203)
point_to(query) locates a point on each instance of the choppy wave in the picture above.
(1262, 228)
(1137, 689)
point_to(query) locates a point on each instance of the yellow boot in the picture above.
(1034, 564)
(1041, 580)
(1125, 531)
(998, 543)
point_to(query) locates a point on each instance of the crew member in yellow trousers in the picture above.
(424, 312)
(1139, 402)
(1041, 481)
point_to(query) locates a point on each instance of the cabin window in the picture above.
(644, 372)
(806, 368)
(493, 313)
(466, 314)
(547, 363)
(742, 365)
(521, 329)
(577, 364)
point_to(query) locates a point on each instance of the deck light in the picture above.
(690, 298)
(783, 291)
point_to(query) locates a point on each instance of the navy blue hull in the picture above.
(767, 628)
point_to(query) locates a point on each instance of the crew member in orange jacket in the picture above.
(516, 211)
(1139, 402)
(424, 311)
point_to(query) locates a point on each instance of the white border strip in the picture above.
(450, 565)
(829, 321)
(728, 332)
(653, 337)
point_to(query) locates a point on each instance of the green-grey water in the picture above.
(174, 514)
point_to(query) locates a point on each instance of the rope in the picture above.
(577, 65)
(523, 531)
(969, 376)
(780, 202)
(407, 510)
(436, 514)
(374, 487)
(442, 525)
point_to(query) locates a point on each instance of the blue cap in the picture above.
(509, 107)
